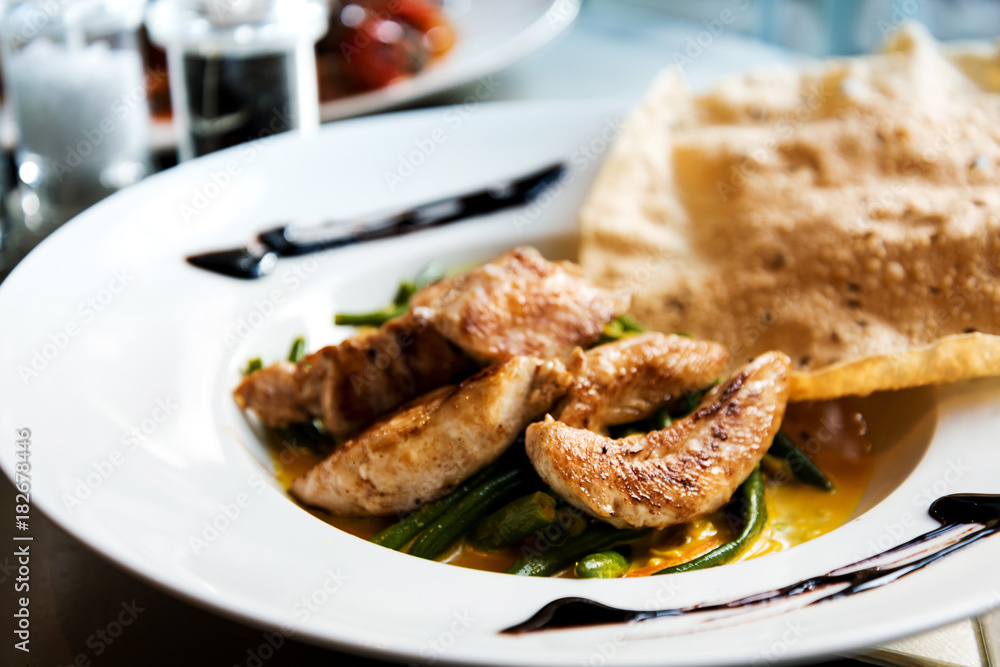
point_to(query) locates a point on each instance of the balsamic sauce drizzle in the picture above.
(952, 511)
(257, 260)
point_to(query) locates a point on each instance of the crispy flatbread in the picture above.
(847, 215)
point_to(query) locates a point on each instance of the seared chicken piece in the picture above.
(686, 471)
(632, 378)
(272, 393)
(350, 384)
(427, 449)
(520, 304)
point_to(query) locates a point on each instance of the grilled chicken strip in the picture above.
(350, 384)
(520, 304)
(685, 471)
(427, 449)
(272, 393)
(630, 379)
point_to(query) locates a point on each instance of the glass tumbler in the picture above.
(76, 89)
(240, 70)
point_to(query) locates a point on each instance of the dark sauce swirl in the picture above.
(952, 511)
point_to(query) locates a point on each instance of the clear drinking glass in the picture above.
(76, 89)
(240, 70)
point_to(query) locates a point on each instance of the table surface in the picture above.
(613, 51)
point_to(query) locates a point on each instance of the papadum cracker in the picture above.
(847, 215)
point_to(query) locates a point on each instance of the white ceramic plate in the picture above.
(490, 35)
(138, 450)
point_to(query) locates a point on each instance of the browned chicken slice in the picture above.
(272, 393)
(520, 304)
(632, 378)
(350, 384)
(685, 471)
(425, 450)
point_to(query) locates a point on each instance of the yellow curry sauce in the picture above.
(832, 433)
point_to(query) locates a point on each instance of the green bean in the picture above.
(307, 435)
(435, 539)
(400, 533)
(802, 466)
(690, 401)
(612, 331)
(571, 520)
(515, 521)
(298, 350)
(663, 419)
(400, 302)
(431, 273)
(403, 294)
(253, 366)
(602, 565)
(375, 318)
(751, 493)
(618, 328)
(629, 324)
(597, 537)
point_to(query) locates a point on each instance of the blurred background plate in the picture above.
(490, 35)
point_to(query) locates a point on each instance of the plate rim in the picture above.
(110, 550)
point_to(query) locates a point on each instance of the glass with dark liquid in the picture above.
(240, 70)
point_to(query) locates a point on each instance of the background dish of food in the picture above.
(199, 514)
(485, 37)
(489, 36)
